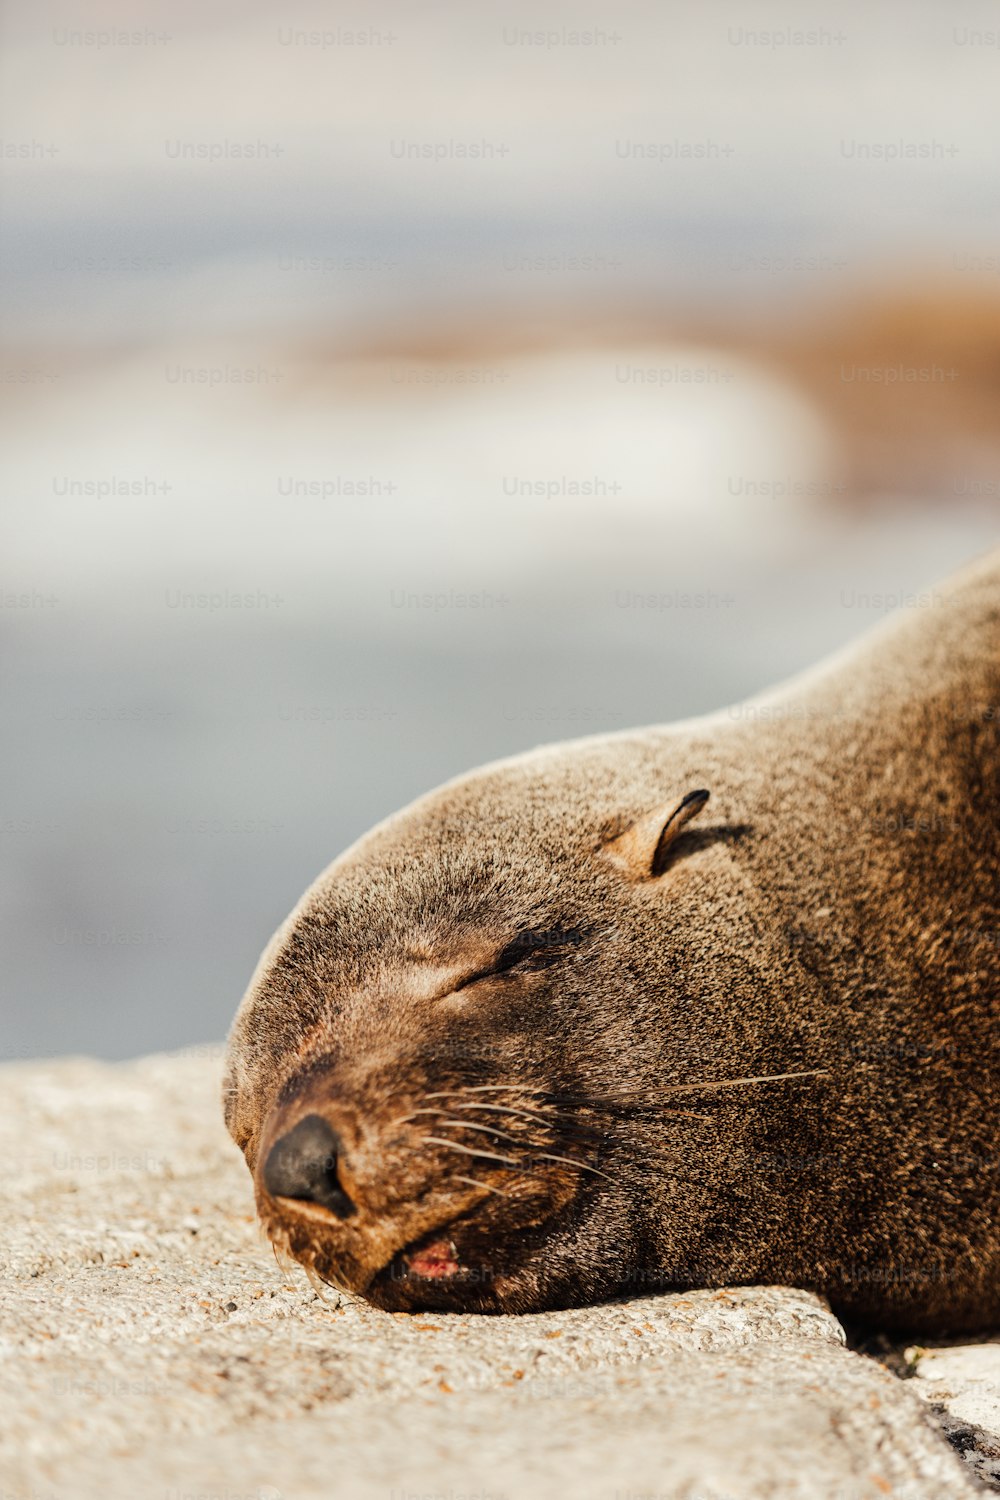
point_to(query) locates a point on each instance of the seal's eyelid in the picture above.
(541, 948)
(533, 943)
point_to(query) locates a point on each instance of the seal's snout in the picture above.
(303, 1164)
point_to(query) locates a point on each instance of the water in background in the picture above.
(328, 473)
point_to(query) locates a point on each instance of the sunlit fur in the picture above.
(832, 913)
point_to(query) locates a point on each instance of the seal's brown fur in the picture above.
(525, 1009)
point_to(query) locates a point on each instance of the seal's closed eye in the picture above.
(531, 949)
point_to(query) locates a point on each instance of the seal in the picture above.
(695, 1005)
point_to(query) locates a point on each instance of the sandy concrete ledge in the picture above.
(152, 1347)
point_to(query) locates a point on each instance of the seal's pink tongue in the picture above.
(439, 1258)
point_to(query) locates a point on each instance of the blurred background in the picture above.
(389, 389)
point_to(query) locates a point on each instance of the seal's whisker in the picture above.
(540, 1098)
(721, 1083)
(523, 1114)
(284, 1260)
(471, 1182)
(433, 1140)
(485, 1129)
(569, 1161)
(625, 1098)
(316, 1282)
(553, 1123)
(485, 1088)
(534, 1148)
(406, 1119)
(732, 1083)
(506, 1109)
(574, 1131)
(607, 1105)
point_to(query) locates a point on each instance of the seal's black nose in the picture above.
(303, 1164)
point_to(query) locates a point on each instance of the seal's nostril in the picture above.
(303, 1164)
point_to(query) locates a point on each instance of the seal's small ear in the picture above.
(642, 851)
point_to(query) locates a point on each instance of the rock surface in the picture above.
(962, 1385)
(151, 1346)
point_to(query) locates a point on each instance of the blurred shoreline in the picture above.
(375, 408)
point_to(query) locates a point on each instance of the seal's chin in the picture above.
(449, 1267)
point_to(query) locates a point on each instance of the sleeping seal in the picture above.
(694, 1005)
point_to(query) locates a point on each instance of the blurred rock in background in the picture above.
(388, 395)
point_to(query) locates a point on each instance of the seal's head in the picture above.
(456, 1050)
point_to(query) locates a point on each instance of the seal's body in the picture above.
(539, 1039)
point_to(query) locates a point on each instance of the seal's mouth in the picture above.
(434, 1257)
(446, 1269)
